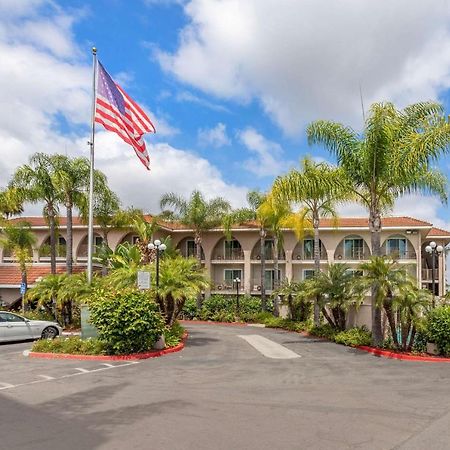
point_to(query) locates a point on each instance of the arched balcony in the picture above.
(82, 251)
(188, 248)
(304, 250)
(352, 248)
(228, 250)
(45, 250)
(398, 247)
(269, 251)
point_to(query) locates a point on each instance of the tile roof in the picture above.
(356, 222)
(438, 232)
(10, 274)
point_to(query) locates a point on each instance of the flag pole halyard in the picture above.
(91, 171)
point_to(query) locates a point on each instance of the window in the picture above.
(61, 241)
(8, 317)
(308, 273)
(270, 277)
(232, 249)
(269, 248)
(397, 247)
(230, 274)
(308, 248)
(353, 248)
(191, 248)
(98, 241)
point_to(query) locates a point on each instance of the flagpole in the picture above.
(91, 171)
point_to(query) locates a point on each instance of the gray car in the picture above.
(17, 328)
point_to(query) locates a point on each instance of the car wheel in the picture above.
(49, 333)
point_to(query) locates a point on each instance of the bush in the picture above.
(127, 320)
(73, 345)
(325, 331)
(189, 311)
(173, 335)
(39, 315)
(354, 337)
(439, 329)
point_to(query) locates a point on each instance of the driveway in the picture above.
(230, 388)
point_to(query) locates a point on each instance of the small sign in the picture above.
(23, 288)
(143, 279)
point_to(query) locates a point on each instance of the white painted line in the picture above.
(82, 370)
(256, 325)
(46, 377)
(6, 386)
(268, 348)
(107, 365)
(26, 352)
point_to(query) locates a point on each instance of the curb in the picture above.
(130, 357)
(401, 356)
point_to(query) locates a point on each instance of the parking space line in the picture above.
(46, 378)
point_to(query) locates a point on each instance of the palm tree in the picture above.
(34, 183)
(197, 213)
(19, 239)
(392, 157)
(145, 231)
(11, 203)
(45, 293)
(180, 278)
(338, 291)
(71, 179)
(254, 199)
(317, 187)
(297, 298)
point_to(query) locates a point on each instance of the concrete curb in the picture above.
(131, 357)
(394, 355)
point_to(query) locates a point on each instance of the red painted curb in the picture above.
(133, 356)
(212, 322)
(404, 357)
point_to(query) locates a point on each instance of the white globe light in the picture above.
(157, 243)
(428, 249)
(439, 249)
(162, 247)
(238, 280)
(151, 246)
(433, 244)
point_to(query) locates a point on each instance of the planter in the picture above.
(432, 348)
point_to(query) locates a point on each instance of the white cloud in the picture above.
(306, 59)
(186, 96)
(216, 137)
(268, 159)
(48, 95)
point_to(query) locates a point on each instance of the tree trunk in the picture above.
(69, 241)
(375, 238)
(51, 219)
(262, 241)
(411, 339)
(198, 249)
(276, 281)
(316, 265)
(391, 319)
(328, 317)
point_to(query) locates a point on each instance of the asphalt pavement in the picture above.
(226, 390)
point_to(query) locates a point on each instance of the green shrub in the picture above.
(439, 329)
(173, 335)
(73, 345)
(39, 315)
(189, 311)
(354, 337)
(325, 331)
(127, 320)
(420, 341)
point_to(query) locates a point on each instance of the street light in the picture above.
(237, 281)
(159, 247)
(434, 250)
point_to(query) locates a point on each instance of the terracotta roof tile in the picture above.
(10, 274)
(438, 232)
(357, 222)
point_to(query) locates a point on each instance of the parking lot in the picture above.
(230, 388)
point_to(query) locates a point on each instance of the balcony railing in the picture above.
(302, 256)
(405, 254)
(227, 285)
(229, 255)
(354, 254)
(427, 274)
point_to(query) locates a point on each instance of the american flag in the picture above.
(119, 113)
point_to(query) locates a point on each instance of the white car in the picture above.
(17, 328)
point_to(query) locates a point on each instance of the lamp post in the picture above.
(434, 250)
(159, 247)
(237, 281)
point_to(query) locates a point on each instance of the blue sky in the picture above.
(229, 84)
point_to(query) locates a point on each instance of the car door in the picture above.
(16, 328)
